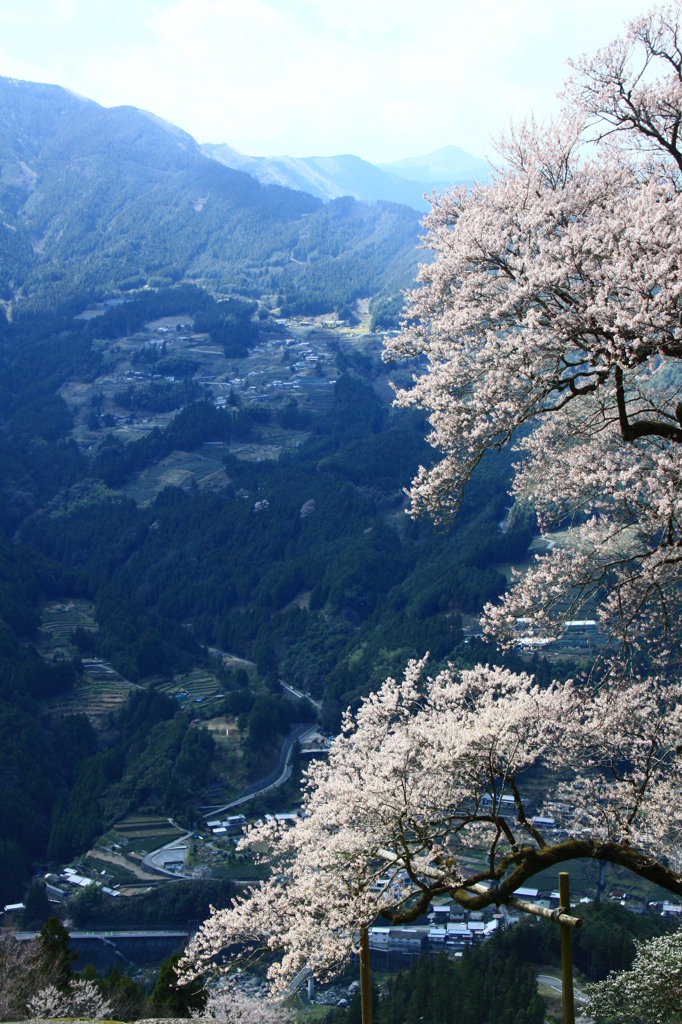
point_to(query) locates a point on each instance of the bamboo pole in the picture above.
(514, 902)
(526, 907)
(365, 979)
(566, 954)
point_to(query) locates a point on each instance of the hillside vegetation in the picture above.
(291, 552)
(97, 201)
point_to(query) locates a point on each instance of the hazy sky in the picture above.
(383, 79)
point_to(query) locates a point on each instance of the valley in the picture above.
(198, 494)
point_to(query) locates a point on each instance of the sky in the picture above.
(383, 79)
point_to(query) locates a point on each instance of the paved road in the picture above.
(274, 778)
(300, 696)
(155, 859)
(555, 984)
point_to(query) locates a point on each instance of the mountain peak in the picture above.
(448, 165)
(330, 177)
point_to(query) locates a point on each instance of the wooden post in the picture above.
(365, 979)
(566, 955)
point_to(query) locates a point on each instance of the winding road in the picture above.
(555, 984)
(154, 861)
(274, 778)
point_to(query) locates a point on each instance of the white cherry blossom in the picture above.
(82, 999)
(428, 768)
(230, 1004)
(549, 320)
(650, 992)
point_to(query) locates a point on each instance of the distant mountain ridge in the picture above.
(406, 181)
(447, 165)
(97, 201)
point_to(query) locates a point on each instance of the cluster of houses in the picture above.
(576, 634)
(451, 929)
(448, 928)
(228, 826)
(59, 886)
(666, 909)
(234, 824)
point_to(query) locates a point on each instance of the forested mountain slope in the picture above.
(326, 177)
(121, 554)
(293, 554)
(330, 177)
(96, 200)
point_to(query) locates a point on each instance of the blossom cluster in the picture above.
(423, 771)
(650, 992)
(549, 320)
(81, 999)
(230, 1004)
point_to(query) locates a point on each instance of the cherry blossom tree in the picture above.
(21, 962)
(549, 320)
(650, 992)
(425, 770)
(231, 1005)
(81, 999)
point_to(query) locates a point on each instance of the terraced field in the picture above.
(140, 833)
(192, 689)
(60, 619)
(300, 365)
(100, 690)
(180, 469)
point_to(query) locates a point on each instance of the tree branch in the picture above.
(532, 860)
(641, 428)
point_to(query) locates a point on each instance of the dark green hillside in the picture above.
(490, 985)
(301, 562)
(94, 201)
(496, 982)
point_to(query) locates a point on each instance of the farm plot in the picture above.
(109, 870)
(60, 620)
(256, 451)
(179, 469)
(320, 393)
(193, 689)
(100, 692)
(284, 440)
(224, 731)
(140, 834)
